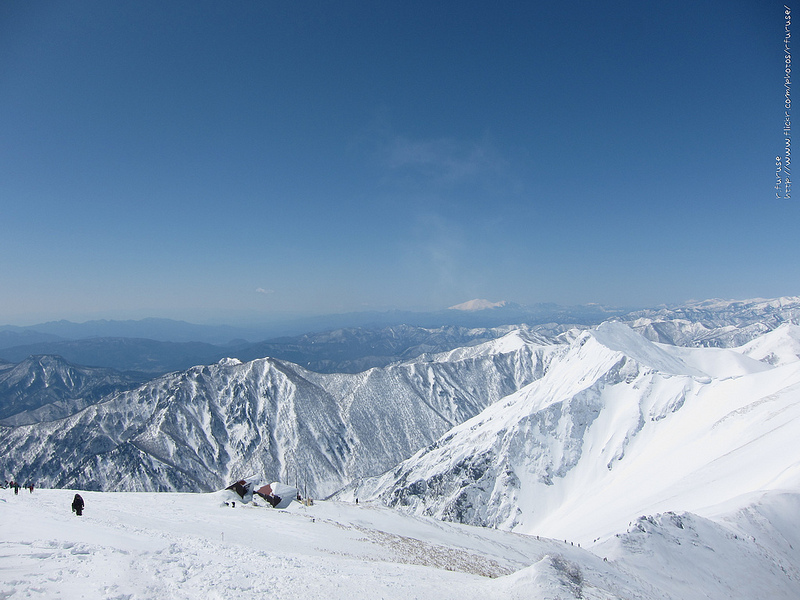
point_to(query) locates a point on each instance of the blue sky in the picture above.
(238, 161)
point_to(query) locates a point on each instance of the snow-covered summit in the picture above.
(621, 338)
(478, 304)
(229, 362)
(616, 426)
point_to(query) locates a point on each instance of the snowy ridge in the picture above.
(513, 341)
(201, 428)
(616, 427)
(715, 323)
(778, 347)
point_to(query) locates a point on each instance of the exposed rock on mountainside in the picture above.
(199, 428)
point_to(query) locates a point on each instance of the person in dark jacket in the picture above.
(77, 505)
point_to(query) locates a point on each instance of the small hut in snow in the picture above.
(279, 495)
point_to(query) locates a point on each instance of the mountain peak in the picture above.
(478, 304)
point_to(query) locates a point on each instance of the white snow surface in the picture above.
(143, 545)
(780, 346)
(618, 427)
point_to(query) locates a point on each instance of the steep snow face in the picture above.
(617, 426)
(750, 552)
(198, 429)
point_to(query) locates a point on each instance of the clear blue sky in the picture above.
(233, 161)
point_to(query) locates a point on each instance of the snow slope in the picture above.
(184, 546)
(778, 347)
(617, 427)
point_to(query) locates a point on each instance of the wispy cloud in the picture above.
(445, 160)
(264, 291)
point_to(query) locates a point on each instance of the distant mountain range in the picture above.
(158, 346)
(163, 330)
(196, 427)
(472, 314)
(123, 354)
(350, 350)
(338, 343)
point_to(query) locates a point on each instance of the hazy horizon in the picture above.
(290, 321)
(245, 320)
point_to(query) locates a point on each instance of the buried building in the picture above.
(278, 495)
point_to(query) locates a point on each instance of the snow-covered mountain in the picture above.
(479, 304)
(715, 323)
(378, 342)
(198, 429)
(46, 388)
(616, 427)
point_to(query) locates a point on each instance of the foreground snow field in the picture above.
(169, 545)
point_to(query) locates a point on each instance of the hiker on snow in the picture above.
(77, 505)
